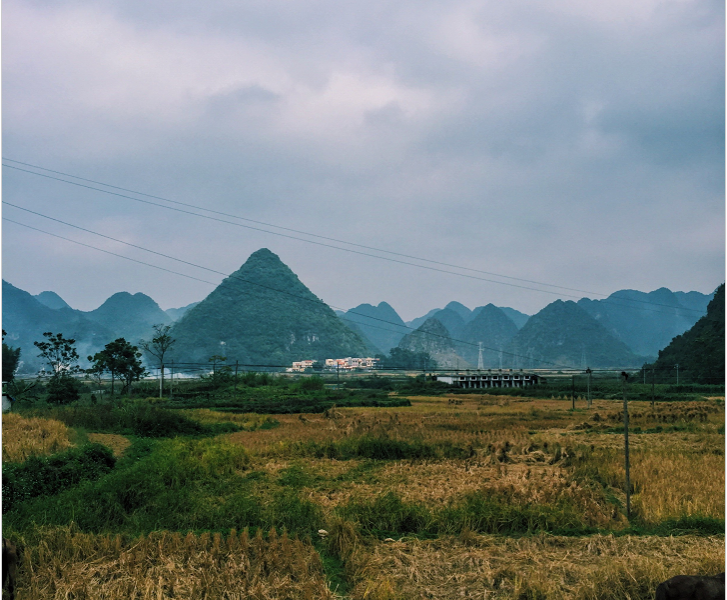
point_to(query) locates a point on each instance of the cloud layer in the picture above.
(573, 143)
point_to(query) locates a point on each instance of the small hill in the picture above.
(51, 300)
(265, 316)
(433, 337)
(178, 313)
(130, 316)
(646, 322)
(381, 324)
(491, 327)
(700, 351)
(565, 334)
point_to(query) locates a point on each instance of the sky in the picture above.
(524, 144)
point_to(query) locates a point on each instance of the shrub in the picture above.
(47, 476)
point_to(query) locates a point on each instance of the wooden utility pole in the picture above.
(625, 377)
(573, 392)
(237, 363)
(589, 373)
(653, 385)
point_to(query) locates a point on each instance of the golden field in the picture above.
(563, 469)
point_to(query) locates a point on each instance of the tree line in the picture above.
(120, 359)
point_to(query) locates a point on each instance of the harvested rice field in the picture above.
(486, 497)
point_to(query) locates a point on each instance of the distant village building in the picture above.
(339, 364)
(301, 366)
(491, 380)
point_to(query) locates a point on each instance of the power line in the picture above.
(207, 268)
(316, 301)
(607, 298)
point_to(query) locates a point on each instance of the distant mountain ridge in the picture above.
(564, 335)
(647, 322)
(381, 324)
(432, 337)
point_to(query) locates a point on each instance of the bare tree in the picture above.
(158, 347)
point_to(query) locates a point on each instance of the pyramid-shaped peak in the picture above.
(263, 256)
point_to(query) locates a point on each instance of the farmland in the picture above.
(453, 496)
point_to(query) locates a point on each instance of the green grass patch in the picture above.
(136, 418)
(45, 476)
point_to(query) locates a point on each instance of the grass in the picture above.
(489, 496)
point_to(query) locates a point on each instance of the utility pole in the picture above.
(573, 392)
(338, 374)
(626, 447)
(677, 373)
(237, 363)
(480, 361)
(171, 385)
(653, 385)
(589, 373)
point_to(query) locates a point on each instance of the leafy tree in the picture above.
(11, 358)
(121, 360)
(158, 347)
(60, 354)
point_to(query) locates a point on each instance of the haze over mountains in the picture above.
(264, 314)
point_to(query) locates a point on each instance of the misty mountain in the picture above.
(381, 324)
(265, 316)
(25, 319)
(646, 323)
(700, 351)
(130, 316)
(433, 337)
(451, 320)
(464, 312)
(494, 329)
(564, 334)
(178, 313)
(517, 317)
(51, 300)
(371, 349)
(419, 321)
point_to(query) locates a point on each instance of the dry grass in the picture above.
(117, 443)
(63, 564)
(543, 567)
(25, 437)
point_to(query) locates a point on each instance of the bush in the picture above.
(138, 418)
(63, 389)
(50, 475)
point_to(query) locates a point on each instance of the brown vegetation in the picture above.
(25, 437)
(543, 567)
(63, 563)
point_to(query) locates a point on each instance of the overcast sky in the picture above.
(578, 144)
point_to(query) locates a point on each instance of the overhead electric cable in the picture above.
(219, 272)
(316, 301)
(607, 298)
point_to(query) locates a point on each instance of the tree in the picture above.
(11, 358)
(158, 347)
(60, 354)
(121, 360)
